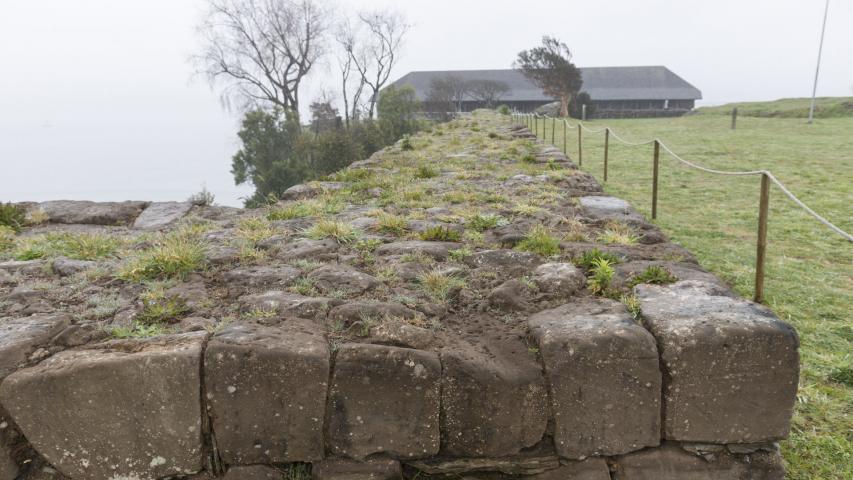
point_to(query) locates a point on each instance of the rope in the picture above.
(769, 174)
(633, 144)
(709, 170)
(807, 209)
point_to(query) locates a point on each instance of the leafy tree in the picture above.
(268, 156)
(398, 107)
(550, 67)
(577, 103)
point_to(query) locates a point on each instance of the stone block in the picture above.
(20, 336)
(589, 469)
(266, 391)
(670, 462)
(730, 366)
(161, 214)
(130, 409)
(494, 399)
(346, 469)
(604, 376)
(384, 400)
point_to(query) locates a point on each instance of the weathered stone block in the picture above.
(559, 278)
(128, 410)
(604, 377)
(342, 277)
(266, 391)
(531, 462)
(20, 336)
(494, 400)
(94, 213)
(254, 472)
(287, 303)
(161, 214)
(384, 400)
(346, 469)
(730, 366)
(670, 462)
(589, 469)
(8, 467)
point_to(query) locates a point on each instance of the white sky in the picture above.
(97, 99)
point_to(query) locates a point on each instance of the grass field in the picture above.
(825, 107)
(809, 279)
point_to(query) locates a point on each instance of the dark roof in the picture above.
(602, 83)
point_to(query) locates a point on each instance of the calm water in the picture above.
(157, 150)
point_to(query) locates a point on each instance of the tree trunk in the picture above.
(564, 105)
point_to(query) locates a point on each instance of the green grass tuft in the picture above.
(540, 240)
(440, 234)
(655, 274)
(12, 216)
(174, 255)
(341, 232)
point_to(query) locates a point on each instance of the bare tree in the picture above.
(261, 50)
(489, 92)
(348, 41)
(378, 54)
(446, 94)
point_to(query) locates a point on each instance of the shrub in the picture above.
(488, 221)
(440, 234)
(503, 109)
(528, 158)
(174, 255)
(406, 144)
(654, 274)
(600, 275)
(426, 171)
(342, 232)
(12, 216)
(588, 258)
(203, 198)
(539, 240)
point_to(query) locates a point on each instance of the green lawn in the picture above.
(809, 279)
(825, 107)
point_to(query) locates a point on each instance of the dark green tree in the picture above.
(268, 158)
(398, 108)
(550, 67)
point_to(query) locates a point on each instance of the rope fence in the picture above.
(767, 178)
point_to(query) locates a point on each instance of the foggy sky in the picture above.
(97, 99)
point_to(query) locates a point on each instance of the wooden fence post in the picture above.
(583, 112)
(734, 117)
(553, 129)
(763, 204)
(580, 147)
(606, 149)
(655, 180)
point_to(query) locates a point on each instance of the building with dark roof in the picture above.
(615, 92)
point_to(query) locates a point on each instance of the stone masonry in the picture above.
(449, 326)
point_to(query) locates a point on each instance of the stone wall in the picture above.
(396, 354)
